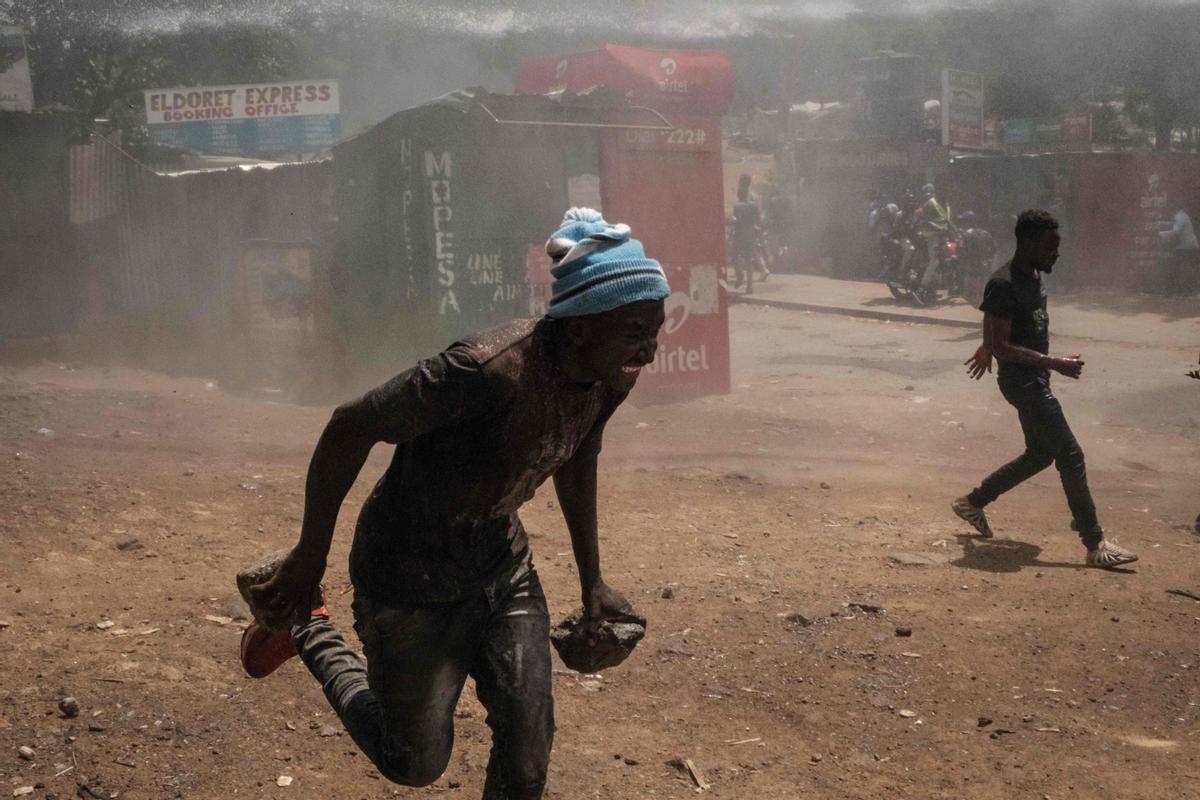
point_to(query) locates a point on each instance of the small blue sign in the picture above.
(254, 137)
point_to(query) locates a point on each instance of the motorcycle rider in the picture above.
(934, 223)
(905, 232)
(881, 222)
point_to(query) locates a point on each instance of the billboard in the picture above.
(962, 108)
(16, 86)
(252, 120)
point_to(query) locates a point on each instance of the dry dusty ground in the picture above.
(823, 480)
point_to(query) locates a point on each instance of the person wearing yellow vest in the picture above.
(933, 224)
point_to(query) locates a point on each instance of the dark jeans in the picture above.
(1048, 440)
(399, 706)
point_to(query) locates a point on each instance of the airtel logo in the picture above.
(668, 66)
(561, 68)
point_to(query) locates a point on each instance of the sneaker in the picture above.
(263, 650)
(1107, 555)
(975, 517)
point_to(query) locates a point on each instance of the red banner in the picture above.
(699, 81)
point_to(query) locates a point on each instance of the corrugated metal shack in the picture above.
(160, 254)
(444, 212)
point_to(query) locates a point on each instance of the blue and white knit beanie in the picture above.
(598, 267)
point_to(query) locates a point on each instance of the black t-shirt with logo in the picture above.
(1018, 295)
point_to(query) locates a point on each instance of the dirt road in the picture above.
(824, 479)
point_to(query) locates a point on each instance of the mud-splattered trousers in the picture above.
(399, 706)
(1048, 440)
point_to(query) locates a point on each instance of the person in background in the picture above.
(934, 222)
(746, 237)
(881, 223)
(1183, 264)
(905, 230)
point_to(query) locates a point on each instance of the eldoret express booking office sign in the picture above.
(252, 120)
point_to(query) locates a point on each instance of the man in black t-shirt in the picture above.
(1016, 329)
(444, 583)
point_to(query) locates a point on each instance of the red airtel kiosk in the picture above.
(665, 180)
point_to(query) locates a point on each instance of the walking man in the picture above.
(1016, 331)
(443, 579)
(746, 237)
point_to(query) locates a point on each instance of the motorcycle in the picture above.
(948, 277)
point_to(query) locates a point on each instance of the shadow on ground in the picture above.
(1003, 555)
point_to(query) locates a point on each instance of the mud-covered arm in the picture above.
(575, 483)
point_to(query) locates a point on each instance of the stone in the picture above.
(668, 593)
(588, 651)
(26, 753)
(867, 608)
(903, 632)
(825, 486)
(262, 571)
(69, 707)
(797, 618)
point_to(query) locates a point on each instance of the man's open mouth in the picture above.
(631, 369)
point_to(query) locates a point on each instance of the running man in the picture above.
(1016, 330)
(443, 578)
